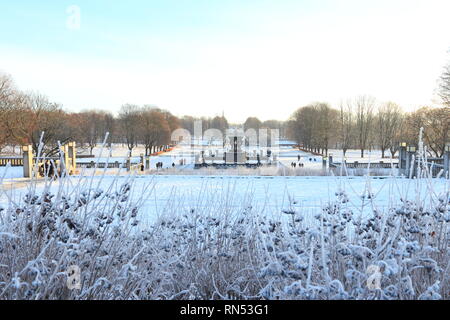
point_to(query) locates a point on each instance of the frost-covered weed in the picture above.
(214, 250)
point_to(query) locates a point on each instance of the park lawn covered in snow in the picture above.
(11, 172)
(271, 195)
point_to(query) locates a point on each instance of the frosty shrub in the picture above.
(216, 249)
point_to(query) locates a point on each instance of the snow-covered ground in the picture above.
(183, 156)
(270, 194)
(286, 155)
(274, 194)
(11, 172)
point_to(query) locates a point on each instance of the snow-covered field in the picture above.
(273, 194)
(11, 172)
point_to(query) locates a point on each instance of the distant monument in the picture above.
(235, 154)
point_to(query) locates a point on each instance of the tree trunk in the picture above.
(362, 153)
(393, 152)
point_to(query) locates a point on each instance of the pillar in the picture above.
(65, 166)
(402, 158)
(447, 161)
(410, 153)
(27, 161)
(72, 158)
(128, 163)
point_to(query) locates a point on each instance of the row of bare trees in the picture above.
(313, 126)
(218, 122)
(147, 126)
(221, 123)
(24, 116)
(364, 124)
(256, 124)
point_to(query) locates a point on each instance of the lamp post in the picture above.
(411, 149)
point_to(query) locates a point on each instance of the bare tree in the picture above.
(252, 123)
(302, 127)
(31, 115)
(444, 86)
(326, 126)
(220, 123)
(281, 126)
(94, 125)
(387, 124)
(314, 126)
(7, 96)
(364, 106)
(172, 121)
(346, 127)
(23, 117)
(436, 124)
(154, 129)
(129, 124)
(187, 122)
(46, 117)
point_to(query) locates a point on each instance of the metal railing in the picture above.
(363, 165)
(14, 161)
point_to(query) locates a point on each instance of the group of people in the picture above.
(159, 165)
(300, 165)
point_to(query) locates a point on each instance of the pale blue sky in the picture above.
(249, 57)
